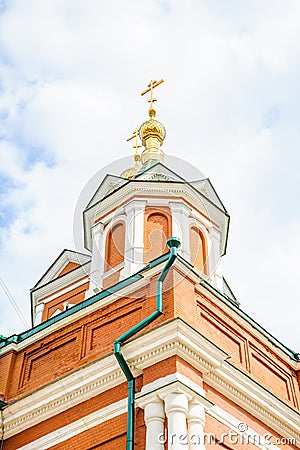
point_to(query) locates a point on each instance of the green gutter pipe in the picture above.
(173, 243)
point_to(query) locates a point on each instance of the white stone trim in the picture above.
(154, 417)
(233, 424)
(176, 407)
(188, 271)
(63, 260)
(138, 284)
(77, 427)
(134, 238)
(257, 401)
(61, 395)
(217, 372)
(97, 262)
(173, 338)
(196, 396)
(69, 288)
(39, 309)
(180, 213)
(154, 190)
(61, 282)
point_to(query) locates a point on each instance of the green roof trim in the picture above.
(16, 338)
(89, 301)
(2, 404)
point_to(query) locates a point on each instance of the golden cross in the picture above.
(135, 135)
(153, 84)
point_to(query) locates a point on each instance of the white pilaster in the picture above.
(154, 416)
(176, 407)
(97, 263)
(134, 240)
(214, 260)
(38, 313)
(180, 226)
(196, 421)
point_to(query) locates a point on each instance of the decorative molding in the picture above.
(61, 395)
(59, 264)
(59, 283)
(77, 427)
(172, 189)
(173, 338)
(163, 386)
(179, 383)
(257, 401)
(67, 289)
(135, 286)
(109, 184)
(253, 328)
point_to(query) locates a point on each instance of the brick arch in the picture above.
(198, 249)
(115, 246)
(157, 231)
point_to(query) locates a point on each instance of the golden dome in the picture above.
(152, 128)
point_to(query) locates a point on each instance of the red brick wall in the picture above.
(158, 229)
(115, 246)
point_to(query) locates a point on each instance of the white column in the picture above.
(214, 260)
(180, 227)
(176, 407)
(196, 420)
(134, 240)
(97, 263)
(38, 313)
(154, 416)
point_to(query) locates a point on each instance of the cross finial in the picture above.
(153, 84)
(135, 135)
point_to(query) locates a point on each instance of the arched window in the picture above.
(157, 231)
(198, 249)
(115, 245)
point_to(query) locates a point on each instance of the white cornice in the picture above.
(217, 372)
(61, 262)
(77, 427)
(173, 338)
(250, 395)
(61, 395)
(156, 190)
(136, 285)
(65, 290)
(61, 282)
(180, 383)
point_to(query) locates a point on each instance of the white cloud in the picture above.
(71, 73)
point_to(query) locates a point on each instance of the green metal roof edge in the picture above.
(16, 338)
(2, 404)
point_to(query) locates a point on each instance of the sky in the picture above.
(71, 74)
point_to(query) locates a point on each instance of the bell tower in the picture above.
(130, 218)
(141, 343)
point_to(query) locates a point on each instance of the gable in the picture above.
(107, 186)
(159, 172)
(70, 266)
(68, 260)
(206, 188)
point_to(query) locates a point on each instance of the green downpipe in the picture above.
(173, 243)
